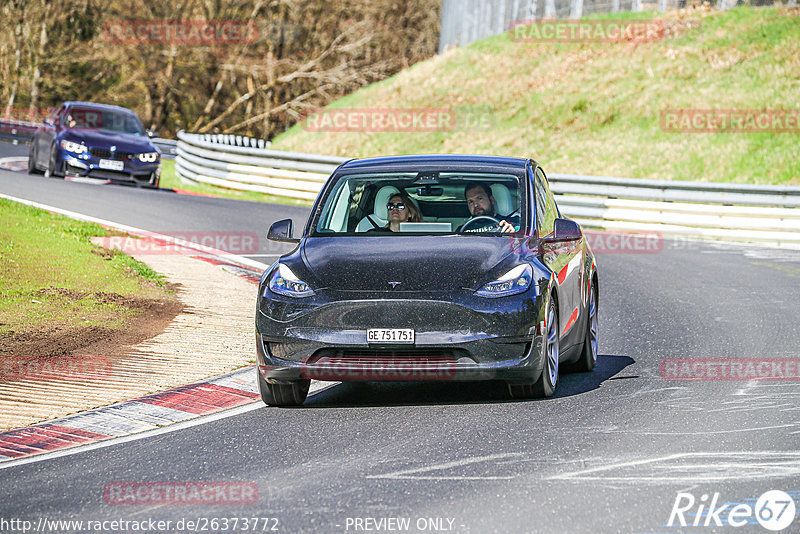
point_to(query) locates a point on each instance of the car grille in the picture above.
(378, 365)
(109, 175)
(355, 355)
(104, 153)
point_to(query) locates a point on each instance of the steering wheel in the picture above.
(479, 219)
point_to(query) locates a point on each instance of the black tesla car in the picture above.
(429, 268)
(96, 141)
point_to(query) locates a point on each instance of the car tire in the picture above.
(32, 168)
(545, 386)
(588, 358)
(292, 393)
(52, 171)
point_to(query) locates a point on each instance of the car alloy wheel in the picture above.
(552, 348)
(32, 169)
(545, 386)
(51, 171)
(588, 358)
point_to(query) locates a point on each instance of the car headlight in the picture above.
(75, 148)
(514, 281)
(148, 157)
(283, 282)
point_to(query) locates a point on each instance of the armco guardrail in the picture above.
(167, 147)
(244, 164)
(751, 213)
(22, 132)
(17, 131)
(766, 214)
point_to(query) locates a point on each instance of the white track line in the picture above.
(317, 388)
(415, 473)
(142, 233)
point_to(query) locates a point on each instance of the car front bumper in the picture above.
(148, 174)
(463, 338)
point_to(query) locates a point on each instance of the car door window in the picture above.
(546, 211)
(54, 117)
(551, 206)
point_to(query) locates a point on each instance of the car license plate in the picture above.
(390, 335)
(112, 165)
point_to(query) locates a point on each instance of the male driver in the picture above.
(481, 204)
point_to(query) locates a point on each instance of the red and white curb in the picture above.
(14, 163)
(132, 417)
(168, 411)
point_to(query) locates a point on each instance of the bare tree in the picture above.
(305, 54)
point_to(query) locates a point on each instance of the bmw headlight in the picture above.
(75, 148)
(514, 281)
(283, 282)
(148, 157)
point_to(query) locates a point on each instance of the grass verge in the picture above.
(52, 278)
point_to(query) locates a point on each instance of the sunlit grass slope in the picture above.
(595, 108)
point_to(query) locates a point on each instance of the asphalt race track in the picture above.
(609, 453)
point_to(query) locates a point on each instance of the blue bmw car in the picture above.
(96, 141)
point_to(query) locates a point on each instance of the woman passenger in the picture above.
(400, 209)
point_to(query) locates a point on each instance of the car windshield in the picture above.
(421, 203)
(88, 118)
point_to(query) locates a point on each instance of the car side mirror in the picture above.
(282, 231)
(48, 121)
(150, 133)
(564, 231)
(567, 230)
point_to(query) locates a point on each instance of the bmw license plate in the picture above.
(112, 165)
(390, 335)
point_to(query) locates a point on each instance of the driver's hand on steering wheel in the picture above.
(506, 227)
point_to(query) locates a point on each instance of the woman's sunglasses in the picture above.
(400, 206)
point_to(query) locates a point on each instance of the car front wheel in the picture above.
(545, 386)
(52, 166)
(290, 393)
(32, 169)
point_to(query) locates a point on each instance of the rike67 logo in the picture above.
(774, 510)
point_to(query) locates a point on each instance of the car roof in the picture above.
(109, 107)
(427, 162)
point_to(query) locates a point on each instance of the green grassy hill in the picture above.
(595, 108)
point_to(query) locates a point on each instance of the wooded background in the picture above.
(306, 54)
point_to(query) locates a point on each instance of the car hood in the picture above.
(105, 139)
(420, 263)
